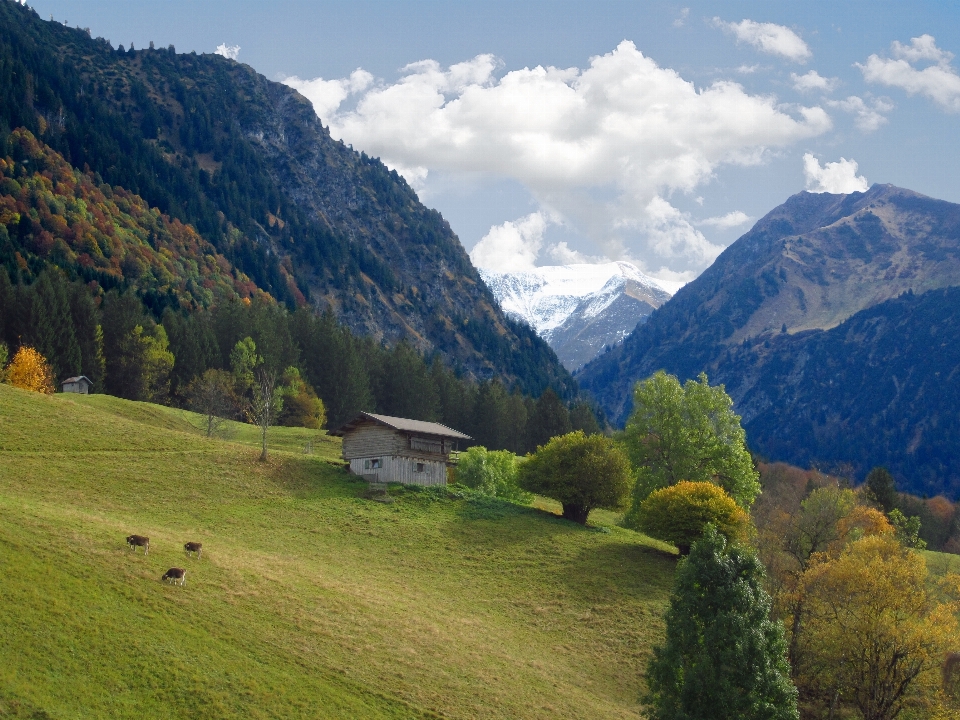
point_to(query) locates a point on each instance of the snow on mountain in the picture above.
(578, 309)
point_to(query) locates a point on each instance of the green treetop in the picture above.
(688, 432)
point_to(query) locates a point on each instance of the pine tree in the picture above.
(724, 658)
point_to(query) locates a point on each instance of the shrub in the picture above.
(679, 514)
(491, 472)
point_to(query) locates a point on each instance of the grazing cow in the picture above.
(135, 541)
(193, 547)
(175, 574)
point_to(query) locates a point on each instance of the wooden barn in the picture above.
(392, 449)
(79, 384)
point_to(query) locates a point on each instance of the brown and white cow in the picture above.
(135, 541)
(175, 575)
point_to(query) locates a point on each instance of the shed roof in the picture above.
(416, 426)
(78, 378)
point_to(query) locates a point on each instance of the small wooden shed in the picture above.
(392, 449)
(79, 384)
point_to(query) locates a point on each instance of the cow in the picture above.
(175, 574)
(193, 547)
(135, 541)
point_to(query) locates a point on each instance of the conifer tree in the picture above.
(51, 331)
(724, 658)
(550, 418)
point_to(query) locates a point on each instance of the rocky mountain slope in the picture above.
(247, 163)
(578, 309)
(788, 291)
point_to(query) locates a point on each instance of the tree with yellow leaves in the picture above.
(875, 634)
(29, 370)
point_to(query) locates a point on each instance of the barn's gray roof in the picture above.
(420, 427)
(78, 378)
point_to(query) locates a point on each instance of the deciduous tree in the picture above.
(680, 513)
(876, 634)
(212, 396)
(29, 370)
(581, 472)
(688, 432)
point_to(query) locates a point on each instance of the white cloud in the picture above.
(684, 14)
(230, 52)
(922, 48)
(730, 220)
(869, 117)
(327, 95)
(511, 247)
(813, 81)
(938, 82)
(769, 38)
(599, 148)
(833, 177)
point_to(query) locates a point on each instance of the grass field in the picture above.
(309, 601)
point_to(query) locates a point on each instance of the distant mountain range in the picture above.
(832, 323)
(246, 163)
(578, 309)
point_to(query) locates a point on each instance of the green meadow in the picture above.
(309, 600)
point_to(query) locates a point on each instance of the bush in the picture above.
(581, 472)
(491, 472)
(679, 514)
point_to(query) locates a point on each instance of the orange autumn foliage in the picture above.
(29, 370)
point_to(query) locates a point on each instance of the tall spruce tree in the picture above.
(550, 418)
(724, 658)
(883, 488)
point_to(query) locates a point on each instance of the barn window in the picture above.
(419, 467)
(372, 464)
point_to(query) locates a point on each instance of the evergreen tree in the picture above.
(882, 488)
(515, 423)
(51, 331)
(120, 315)
(489, 415)
(724, 658)
(405, 388)
(89, 334)
(583, 418)
(550, 418)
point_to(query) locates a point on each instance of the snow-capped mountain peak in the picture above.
(562, 301)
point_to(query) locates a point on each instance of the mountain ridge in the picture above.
(246, 162)
(806, 269)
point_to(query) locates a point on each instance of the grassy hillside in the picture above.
(309, 601)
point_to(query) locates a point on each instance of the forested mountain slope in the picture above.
(775, 300)
(246, 162)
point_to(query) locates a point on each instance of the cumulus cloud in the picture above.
(833, 177)
(813, 81)
(938, 82)
(730, 220)
(599, 148)
(769, 38)
(684, 14)
(327, 95)
(512, 246)
(230, 52)
(869, 117)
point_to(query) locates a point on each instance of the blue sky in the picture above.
(551, 132)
